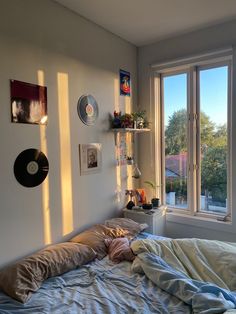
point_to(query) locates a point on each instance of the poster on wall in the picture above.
(90, 158)
(124, 83)
(28, 103)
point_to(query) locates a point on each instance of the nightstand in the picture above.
(155, 219)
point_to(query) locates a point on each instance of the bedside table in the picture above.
(155, 218)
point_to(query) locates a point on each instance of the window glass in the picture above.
(213, 139)
(176, 152)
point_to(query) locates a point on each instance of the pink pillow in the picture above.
(119, 250)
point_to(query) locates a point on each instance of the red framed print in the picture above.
(28, 103)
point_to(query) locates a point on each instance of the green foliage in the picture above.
(220, 136)
(139, 114)
(207, 129)
(176, 133)
(177, 185)
(214, 172)
(213, 154)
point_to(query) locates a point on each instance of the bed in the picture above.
(102, 286)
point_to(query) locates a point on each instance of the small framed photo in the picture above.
(28, 103)
(90, 158)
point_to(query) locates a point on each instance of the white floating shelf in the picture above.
(132, 130)
(129, 130)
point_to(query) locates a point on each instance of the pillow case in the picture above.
(119, 250)
(131, 227)
(24, 277)
(95, 236)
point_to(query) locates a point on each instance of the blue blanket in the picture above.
(205, 298)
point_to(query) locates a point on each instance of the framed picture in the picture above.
(124, 83)
(90, 158)
(28, 103)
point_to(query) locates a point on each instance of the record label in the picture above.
(87, 109)
(31, 167)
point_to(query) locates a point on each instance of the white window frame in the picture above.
(191, 66)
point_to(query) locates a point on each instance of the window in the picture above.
(194, 101)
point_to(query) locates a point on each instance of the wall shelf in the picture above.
(128, 130)
(132, 130)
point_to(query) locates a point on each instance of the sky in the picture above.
(213, 94)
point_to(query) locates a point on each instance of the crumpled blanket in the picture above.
(199, 272)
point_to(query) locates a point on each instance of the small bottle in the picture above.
(136, 172)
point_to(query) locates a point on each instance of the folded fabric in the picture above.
(23, 278)
(95, 236)
(119, 250)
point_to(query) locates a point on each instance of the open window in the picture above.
(194, 102)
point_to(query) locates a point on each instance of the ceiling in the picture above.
(142, 22)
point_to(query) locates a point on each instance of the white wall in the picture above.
(209, 39)
(43, 43)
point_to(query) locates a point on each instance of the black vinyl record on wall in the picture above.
(87, 109)
(31, 167)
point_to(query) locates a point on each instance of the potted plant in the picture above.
(140, 120)
(155, 200)
(127, 121)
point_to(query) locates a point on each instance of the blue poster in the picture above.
(124, 83)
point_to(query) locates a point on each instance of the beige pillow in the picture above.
(23, 278)
(131, 227)
(95, 236)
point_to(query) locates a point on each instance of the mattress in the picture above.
(98, 287)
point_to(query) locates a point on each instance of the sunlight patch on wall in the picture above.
(45, 185)
(127, 104)
(65, 153)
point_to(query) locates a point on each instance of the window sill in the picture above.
(200, 222)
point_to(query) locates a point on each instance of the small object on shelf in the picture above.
(155, 202)
(131, 194)
(147, 206)
(130, 160)
(130, 205)
(136, 172)
(141, 196)
(140, 120)
(116, 122)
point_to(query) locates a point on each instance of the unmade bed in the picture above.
(166, 276)
(98, 287)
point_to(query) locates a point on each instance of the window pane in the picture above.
(175, 119)
(213, 139)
